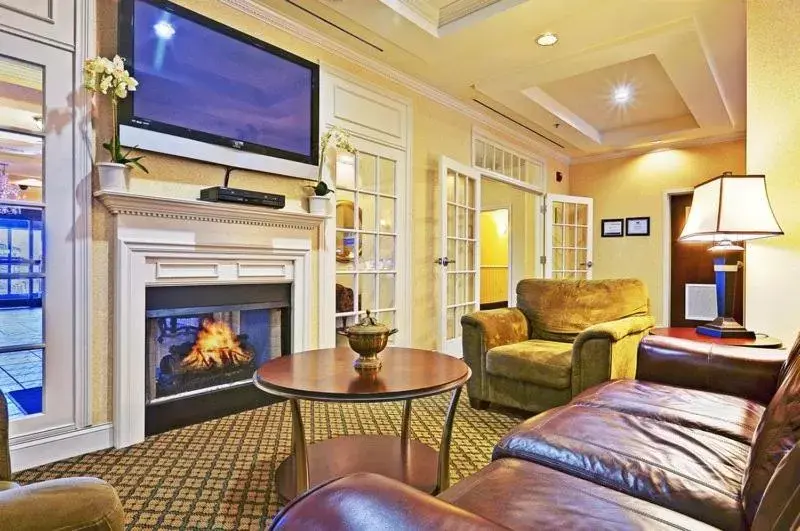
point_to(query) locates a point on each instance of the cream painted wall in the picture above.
(773, 148)
(437, 130)
(635, 186)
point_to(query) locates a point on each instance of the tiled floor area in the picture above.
(20, 369)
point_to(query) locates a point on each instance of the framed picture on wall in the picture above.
(637, 226)
(611, 228)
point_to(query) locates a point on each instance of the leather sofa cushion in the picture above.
(777, 433)
(726, 415)
(685, 469)
(547, 363)
(559, 310)
(522, 495)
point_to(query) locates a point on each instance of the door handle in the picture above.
(588, 264)
(444, 261)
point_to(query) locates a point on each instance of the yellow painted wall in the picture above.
(437, 130)
(494, 255)
(635, 186)
(773, 149)
(494, 238)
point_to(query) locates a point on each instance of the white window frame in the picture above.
(332, 79)
(479, 134)
(59, 438)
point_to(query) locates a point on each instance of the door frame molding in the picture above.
(666, 245)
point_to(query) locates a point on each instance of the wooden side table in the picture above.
(761, 340)
(328, 376)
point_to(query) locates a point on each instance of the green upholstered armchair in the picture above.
(87, 504)
(564, 336)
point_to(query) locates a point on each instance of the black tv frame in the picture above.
(126, 114)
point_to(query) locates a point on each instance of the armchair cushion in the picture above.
(547, 363)
(8, 485)
(559, 311)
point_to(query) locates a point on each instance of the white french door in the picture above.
(459, 253)
(371, 237)
(568, 237)
(37, 231)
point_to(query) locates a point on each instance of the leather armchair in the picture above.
(88, 504)
(563, 337)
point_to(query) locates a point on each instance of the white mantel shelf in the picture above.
(127, 203)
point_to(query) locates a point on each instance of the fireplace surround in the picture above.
(165, 242)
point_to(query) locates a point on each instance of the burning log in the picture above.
(216, 346)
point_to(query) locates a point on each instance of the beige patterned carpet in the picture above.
(219, 474)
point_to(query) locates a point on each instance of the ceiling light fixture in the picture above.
(547, 39)
(622, 94)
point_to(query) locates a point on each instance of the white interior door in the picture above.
(458, 262)
(568, 237)
(37, 277)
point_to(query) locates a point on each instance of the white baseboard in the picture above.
(63, 446)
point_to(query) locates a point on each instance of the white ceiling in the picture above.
(685, 60)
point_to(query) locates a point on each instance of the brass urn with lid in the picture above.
(368, 338)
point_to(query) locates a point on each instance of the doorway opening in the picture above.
(495, 258)
(692, 284)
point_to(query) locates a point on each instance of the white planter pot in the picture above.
(318, 204)
(113, 177)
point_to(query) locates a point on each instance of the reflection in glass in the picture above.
(367, 169)
(387, 169)
(386, 214)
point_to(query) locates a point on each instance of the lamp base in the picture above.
(725, 327)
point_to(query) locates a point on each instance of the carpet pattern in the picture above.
(220, 474)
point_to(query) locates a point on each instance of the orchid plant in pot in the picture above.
(109, 78)
(335, 140)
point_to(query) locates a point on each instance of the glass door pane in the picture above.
(22, 268)
(37, 228)
(568, 237)
(367, 232)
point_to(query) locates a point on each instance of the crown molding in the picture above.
(364, 62)
(633, 152)
(125, 203)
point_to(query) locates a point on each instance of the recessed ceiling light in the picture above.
(547, 39)
(622, 94)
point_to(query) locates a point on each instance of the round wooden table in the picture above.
(760, 341)
(328, 375)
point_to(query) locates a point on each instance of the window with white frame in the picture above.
(492, 157)
(367, 188)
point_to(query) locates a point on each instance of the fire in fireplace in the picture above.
(201, 339)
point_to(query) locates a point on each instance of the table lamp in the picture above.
(726, 210)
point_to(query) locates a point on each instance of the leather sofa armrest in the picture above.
(369, 501)
(481, 332)
(88, 504)
(607, 350)
(751, 373)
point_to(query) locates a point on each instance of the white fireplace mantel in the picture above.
(160, 241)
(197, 210)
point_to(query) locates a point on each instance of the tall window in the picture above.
(367, 236)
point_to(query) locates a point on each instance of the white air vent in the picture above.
(701, 302)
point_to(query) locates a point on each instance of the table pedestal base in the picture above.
(381, 454)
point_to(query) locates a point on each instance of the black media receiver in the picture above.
(248, 197)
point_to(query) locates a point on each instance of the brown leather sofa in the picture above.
(705, 438)
(86, 504)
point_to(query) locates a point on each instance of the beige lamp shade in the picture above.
(730, 208)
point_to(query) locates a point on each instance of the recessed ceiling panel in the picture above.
(590, 95)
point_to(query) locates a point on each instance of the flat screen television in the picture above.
(210, 92)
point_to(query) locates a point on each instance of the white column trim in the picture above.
(85, 46)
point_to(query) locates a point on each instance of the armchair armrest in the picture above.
(66, 504)
(369, 501)
(481, 332)
(607, 350)
(751, 373)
